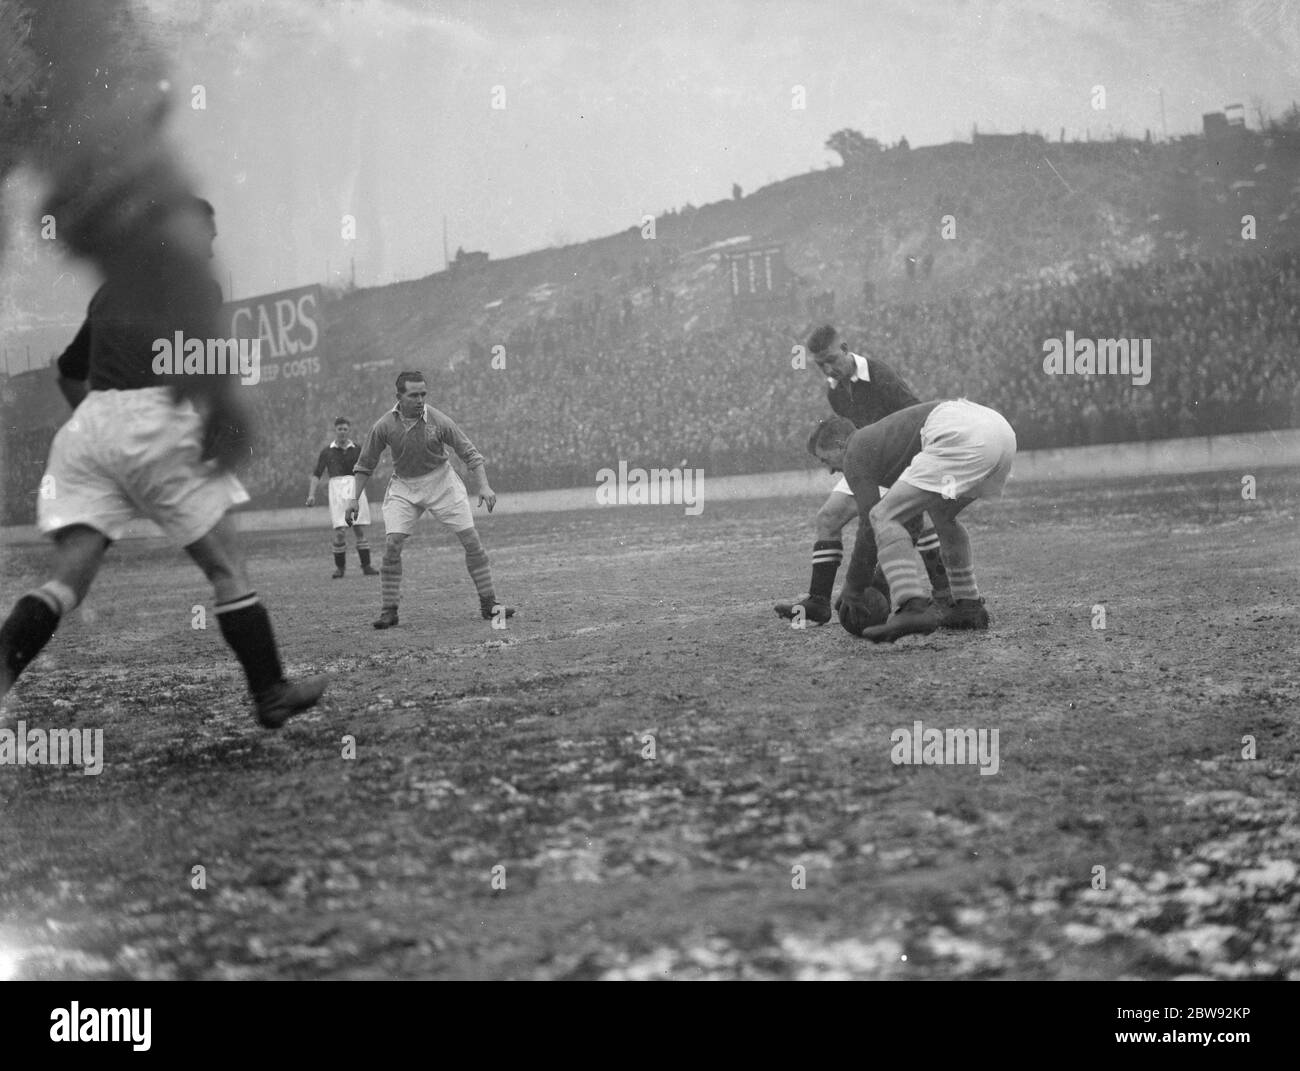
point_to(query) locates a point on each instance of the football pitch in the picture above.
(649, 775)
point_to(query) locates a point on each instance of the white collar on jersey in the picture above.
(861, 373)
(346, 446)
(398, 410)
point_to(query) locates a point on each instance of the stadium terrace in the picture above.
(180, 356)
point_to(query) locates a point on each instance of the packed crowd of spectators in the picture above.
(571, 395)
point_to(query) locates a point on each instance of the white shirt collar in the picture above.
(346, 446)
(861, 372)
(398, 410)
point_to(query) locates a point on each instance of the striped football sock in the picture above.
(827, 555)
(480, 570)
(390, 579)
(962, 583)
(900, 564)
(960, 563)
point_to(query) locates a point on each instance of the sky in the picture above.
(383, 110)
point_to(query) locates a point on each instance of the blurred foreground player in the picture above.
(337, 460)
(937, 457)
(863, 390)
(423, 479)
(139, 444)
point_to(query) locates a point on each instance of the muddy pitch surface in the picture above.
(522, 758)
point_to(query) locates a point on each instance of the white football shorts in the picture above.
(127, 454)
(341, 490)
(966, 452)
(440, 492)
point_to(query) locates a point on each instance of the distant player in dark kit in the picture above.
(937, 457)
(337, 460)
(862, 390)
(419, 437)
(143, 445)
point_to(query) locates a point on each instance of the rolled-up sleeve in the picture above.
(459, 441)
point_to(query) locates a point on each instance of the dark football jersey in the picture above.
(115, 348)
(877, 454)
(868, 400)
(337, 461)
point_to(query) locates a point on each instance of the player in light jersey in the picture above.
(419, 437)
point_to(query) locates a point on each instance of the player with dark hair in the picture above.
(423, 479)
(862, 390)
(337, 459)
(937, 458)
(140, 444)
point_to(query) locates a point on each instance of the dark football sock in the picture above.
(364, 554)
(938, 574)
(27, 630)
(827, 555)
(246, 627)
(927, 542)
(340, 560)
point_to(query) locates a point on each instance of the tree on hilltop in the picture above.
(852, 146)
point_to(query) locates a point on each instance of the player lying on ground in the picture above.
(140, 444)
(423, 479)
(337, 459)
(936, 457)
(863, 390)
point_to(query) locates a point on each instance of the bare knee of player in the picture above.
(359, 531)
(217, 554)
(883, 516)
(393, 545)
(79, 552)
(834, 515)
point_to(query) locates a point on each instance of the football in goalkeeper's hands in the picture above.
(863, 611)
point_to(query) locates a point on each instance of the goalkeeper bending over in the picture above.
(936, 457)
